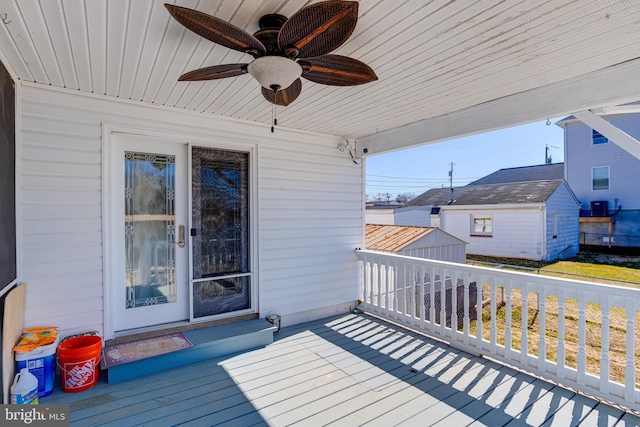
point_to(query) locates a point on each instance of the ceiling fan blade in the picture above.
(283, 97)
(337, 70)
(217, 30)
(318, 29)
(214, 72)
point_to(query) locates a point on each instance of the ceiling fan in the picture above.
(284, 49)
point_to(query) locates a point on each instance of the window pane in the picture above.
(482, 225)
(600, 178)
(149, 229)
(221, 296)
(598, 138)
(220, 213)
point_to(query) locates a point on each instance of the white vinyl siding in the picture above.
(563, 212)
(415, 215)
(516, 232)
(308, 197)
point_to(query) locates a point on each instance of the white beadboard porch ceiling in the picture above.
(433, 58)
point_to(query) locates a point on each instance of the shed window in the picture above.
(600, 178)
(597, 137)
(481, 225)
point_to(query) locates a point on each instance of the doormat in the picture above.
(128, 352)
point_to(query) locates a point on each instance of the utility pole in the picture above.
(546, 154)
(452, 199)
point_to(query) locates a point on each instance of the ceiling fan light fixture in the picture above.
(274, 72)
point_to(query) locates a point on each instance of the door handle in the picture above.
(181, 236)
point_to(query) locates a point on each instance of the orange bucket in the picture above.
(79, 362)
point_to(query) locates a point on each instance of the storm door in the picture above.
(220, 269)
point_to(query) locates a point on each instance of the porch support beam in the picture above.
(614, 134)
(617, 109)
(614, 85)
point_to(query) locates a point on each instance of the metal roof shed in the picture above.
(420, 242)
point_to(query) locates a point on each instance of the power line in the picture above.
(418, 179)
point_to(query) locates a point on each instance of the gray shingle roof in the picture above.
(523, 174)
(516, 192)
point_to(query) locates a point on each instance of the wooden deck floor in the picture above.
(347, 370)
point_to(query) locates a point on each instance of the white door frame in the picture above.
(178, 135)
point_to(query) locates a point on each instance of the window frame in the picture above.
(593, 178)
(475, 233)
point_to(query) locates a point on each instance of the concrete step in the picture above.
(207, 343)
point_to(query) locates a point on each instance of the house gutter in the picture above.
(495, 206)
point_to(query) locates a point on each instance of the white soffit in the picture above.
(437, 61)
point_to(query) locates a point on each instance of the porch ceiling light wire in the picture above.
(350, 149)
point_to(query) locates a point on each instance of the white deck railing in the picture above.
(585, 332)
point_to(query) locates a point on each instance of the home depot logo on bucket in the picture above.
(79, 374)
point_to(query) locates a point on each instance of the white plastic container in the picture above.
(40, 362)
(24, 390)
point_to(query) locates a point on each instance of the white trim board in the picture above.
(611, 86)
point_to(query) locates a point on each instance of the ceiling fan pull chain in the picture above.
(273, 116)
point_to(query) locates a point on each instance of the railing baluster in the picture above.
(479, 285)
(432, 299)
(443, 303)
(466, 320)
(387, 280)
(582, 338)
(412, 295)
(454, 305)
(542, 327)
(368, 289)
(524, 335)
(422, 305)
(508, 339)
(605, 362)
(561, 353)
(396, 281)
(492, 325)
(376, 286)
(630, 367)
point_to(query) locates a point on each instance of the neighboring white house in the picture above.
(419, 242)
(604, 178)
(535, 220)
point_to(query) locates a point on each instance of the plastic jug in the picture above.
(24, 390)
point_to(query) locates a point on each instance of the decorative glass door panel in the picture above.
(149, 213)
(221, 273)
(150, 229)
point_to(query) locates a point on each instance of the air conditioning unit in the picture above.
(600, 208)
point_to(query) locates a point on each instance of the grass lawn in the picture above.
(594, 271)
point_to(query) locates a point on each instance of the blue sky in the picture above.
(418, 169)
